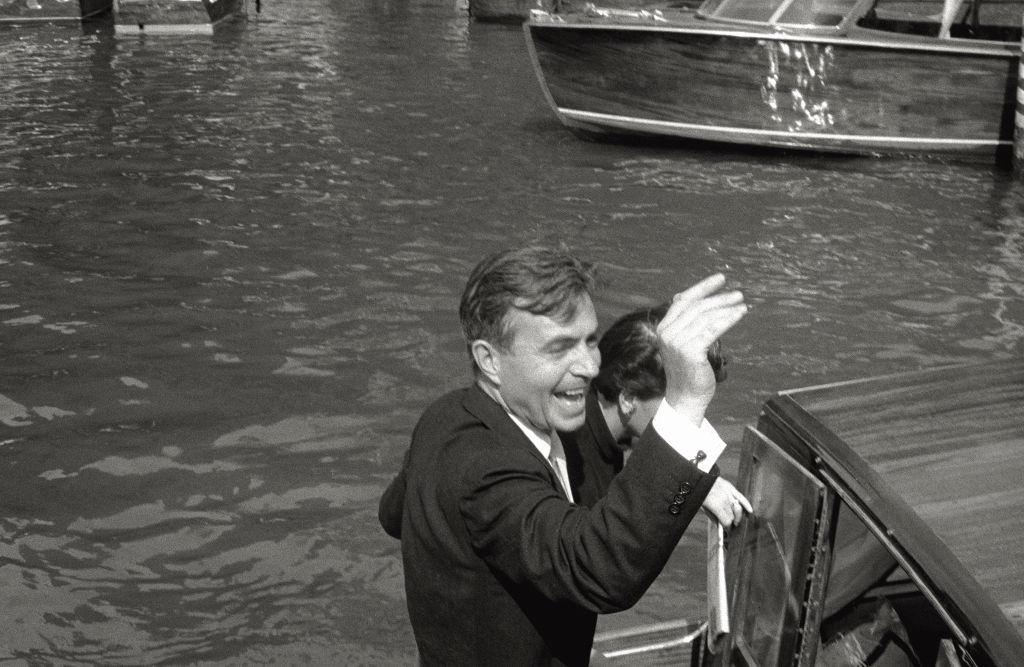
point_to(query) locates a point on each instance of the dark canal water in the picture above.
(229, 268)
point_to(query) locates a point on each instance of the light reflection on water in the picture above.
(228, 276)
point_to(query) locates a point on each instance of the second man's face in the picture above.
(548, 367)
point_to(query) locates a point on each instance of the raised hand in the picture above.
(696, 319)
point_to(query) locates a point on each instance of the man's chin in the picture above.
(569, 424)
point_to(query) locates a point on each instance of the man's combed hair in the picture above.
(539, 280)
(630, 360)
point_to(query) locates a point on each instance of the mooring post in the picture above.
(1018, 116)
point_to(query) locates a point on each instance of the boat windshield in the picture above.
(818, 13)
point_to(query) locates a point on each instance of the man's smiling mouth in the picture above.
(573, 395)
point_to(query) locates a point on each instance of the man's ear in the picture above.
(487, 360)
(627, 404)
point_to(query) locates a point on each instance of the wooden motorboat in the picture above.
(173, 16)
(888, 518)
(853, 76)
(46, 11)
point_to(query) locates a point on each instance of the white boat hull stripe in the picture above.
(628, 122)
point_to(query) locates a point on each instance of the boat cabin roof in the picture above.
(937, 458)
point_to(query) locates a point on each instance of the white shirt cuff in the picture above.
(701, 445)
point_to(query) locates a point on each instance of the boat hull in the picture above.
(20, 11)
(172, 16)
(505, 10)
(838, 94)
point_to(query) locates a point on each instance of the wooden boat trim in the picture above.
(862, 37)
(728, 133)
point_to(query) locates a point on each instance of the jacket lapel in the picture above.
(494, 417)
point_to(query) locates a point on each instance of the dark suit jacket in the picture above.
(592, 456)
(500, 569)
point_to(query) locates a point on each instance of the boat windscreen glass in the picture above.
(742, 10)
(772, 559)
(817, 13)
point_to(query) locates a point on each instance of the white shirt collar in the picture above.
(542, 445)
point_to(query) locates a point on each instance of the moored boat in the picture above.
(173, 16)
(851, 76)
(29, 11)
(887, 522)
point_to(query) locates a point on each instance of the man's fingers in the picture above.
(682, 301)
(685, 312)
(703, 306)
(720, 300)
(705, 329)
(700, 316)
(728, 516)
(702, 288)
(726, 319)
(722, 515)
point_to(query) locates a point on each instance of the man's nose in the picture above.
(587, 363)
